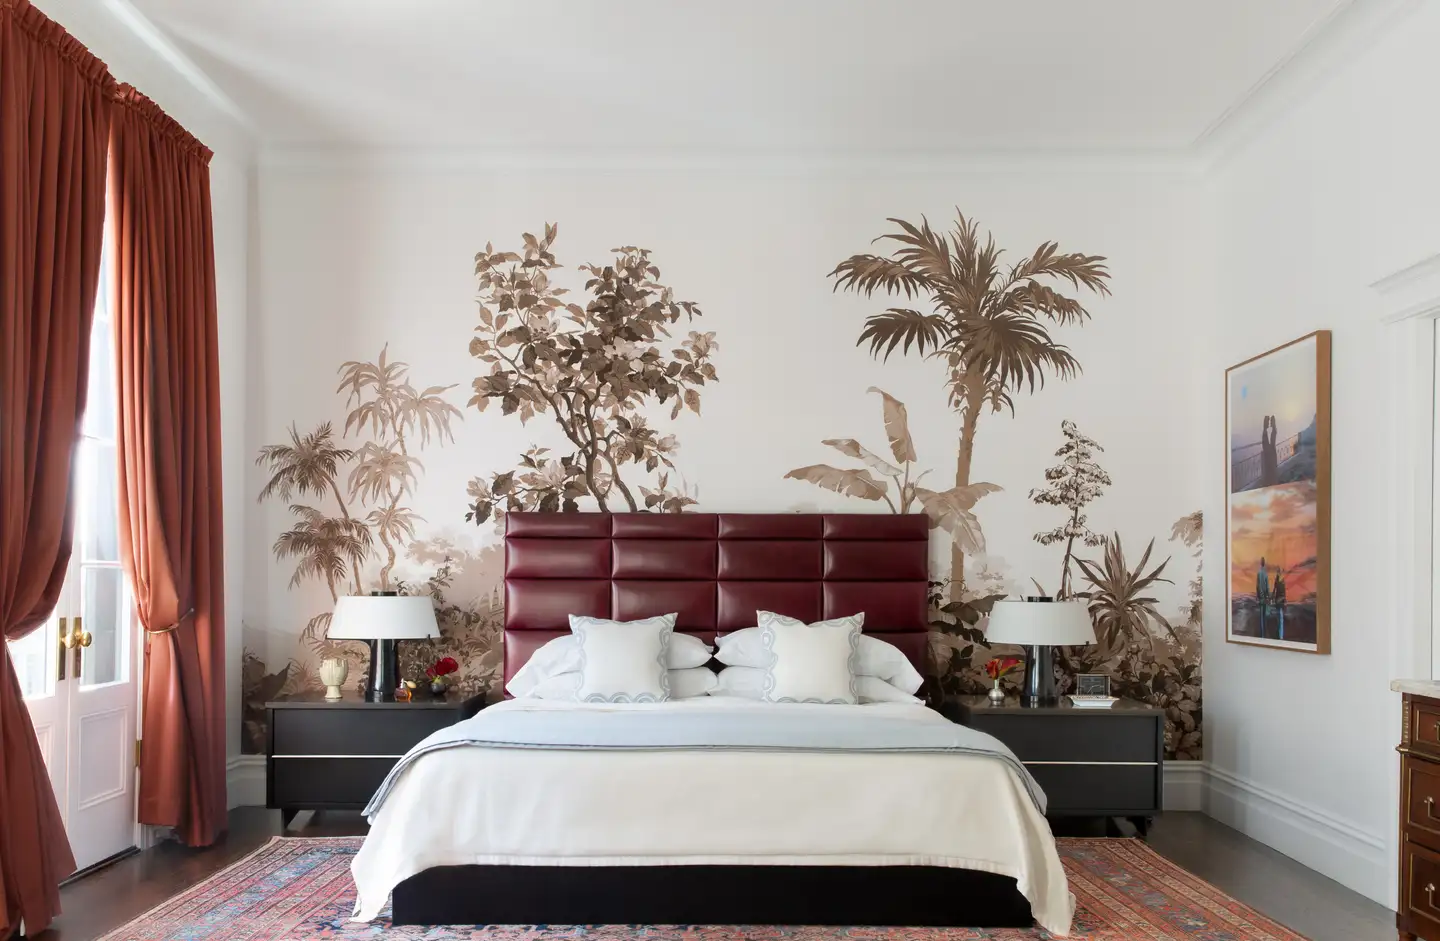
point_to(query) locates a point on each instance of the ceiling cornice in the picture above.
(441, 159)
(1326, 47)
(182, 65)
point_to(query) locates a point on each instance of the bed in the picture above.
(711, 831)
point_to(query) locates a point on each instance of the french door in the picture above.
(77, 671)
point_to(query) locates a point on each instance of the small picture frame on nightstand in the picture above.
(1091, 686)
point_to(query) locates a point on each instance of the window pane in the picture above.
(99, 518)
(30, 655)
(101, 407)
(104, 614)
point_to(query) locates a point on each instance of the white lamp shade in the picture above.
(1057, 623)
(383, 617)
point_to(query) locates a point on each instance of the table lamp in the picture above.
(382, 619)
(1039, 625)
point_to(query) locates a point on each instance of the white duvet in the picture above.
(542, 807)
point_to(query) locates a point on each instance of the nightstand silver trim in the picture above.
(1099, 764)
(337, 756)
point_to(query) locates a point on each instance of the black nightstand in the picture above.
(1091, 762)
(333, 755)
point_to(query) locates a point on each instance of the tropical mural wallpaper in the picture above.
(601, 363)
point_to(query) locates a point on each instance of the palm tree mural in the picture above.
(989, 325)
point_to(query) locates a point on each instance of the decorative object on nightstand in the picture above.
(332, 675)
(382, 618)
(333, 755)
(997, 668)
(1106, 763)
(1092, 691)
(437, 672)
(1039, 624)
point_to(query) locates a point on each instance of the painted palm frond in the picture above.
(394, 522)
(990, 327)
(897, 426)
(1189, 529)
(323, 547)
(382, 471)
(1120, 606)
(307, 466)
(844, 481)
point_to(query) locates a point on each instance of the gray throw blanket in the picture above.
(792, 728)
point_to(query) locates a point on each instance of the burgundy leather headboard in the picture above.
(715, 571)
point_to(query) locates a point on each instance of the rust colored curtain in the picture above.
(55, 107)
(169, 451)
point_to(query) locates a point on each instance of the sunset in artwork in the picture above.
(1278, 525)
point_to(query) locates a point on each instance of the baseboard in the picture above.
(245, 780)
(1184, 785)
(1352, 856)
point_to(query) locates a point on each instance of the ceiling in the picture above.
(755, 77)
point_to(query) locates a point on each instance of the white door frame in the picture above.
(1408, 308)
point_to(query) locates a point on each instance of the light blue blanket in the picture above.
(650, 728)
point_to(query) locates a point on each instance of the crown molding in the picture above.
(1327, 46)
(181, 64)
(363, 158)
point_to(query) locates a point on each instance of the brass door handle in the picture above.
(1429, 803)
(64, 646)
(1430, 895)
(79, 640)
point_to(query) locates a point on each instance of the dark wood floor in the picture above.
(1298, 897)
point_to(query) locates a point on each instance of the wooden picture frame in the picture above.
(1277, 497)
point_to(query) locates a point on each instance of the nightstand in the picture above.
(333, 755)
(1090, 762)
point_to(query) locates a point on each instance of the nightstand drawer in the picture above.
(1423, 729)
(326, 782)
(1098, 790)
(341, 731)
(1052, 737)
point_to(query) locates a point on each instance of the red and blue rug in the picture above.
(299, 889)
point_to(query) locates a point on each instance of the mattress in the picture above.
(713, 806)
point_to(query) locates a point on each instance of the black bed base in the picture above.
(919, 896)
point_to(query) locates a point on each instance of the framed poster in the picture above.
(1277, 497)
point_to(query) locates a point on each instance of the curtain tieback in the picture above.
(166, 630)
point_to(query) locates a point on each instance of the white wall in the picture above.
(1337, 194)
(131, 60)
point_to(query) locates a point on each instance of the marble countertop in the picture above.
(1429, 688)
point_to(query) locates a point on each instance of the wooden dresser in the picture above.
(1419, 909)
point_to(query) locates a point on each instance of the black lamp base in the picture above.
(1039, 687)
(384, 671)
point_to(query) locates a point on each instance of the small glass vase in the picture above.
(997, 695)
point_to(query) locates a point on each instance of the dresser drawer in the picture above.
(1420, 888)
(1420, 787)
(326, 782)
(1423, 729)
(1051, 737)
(341, 731)
(1098, 790)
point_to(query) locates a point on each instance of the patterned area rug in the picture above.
(299, 889)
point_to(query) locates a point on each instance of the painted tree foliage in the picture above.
(949, 510)
(989, 325)
(1072, 484)
(594, 370)
(353, 519)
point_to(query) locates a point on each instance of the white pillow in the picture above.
(562, 656)
(749, 683)
(876, 658)
(623, 661)
(810, 662)
(684, 684)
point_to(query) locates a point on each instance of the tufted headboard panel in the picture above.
(715, 570)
